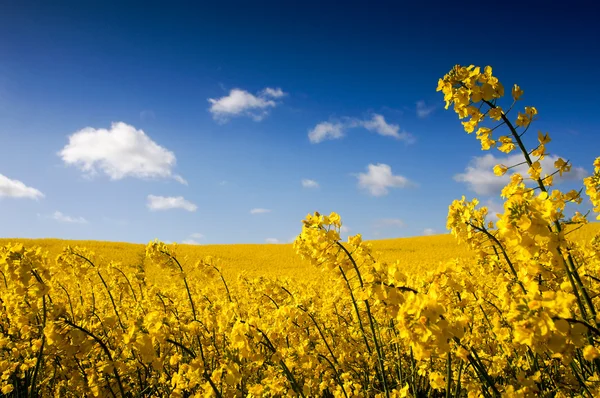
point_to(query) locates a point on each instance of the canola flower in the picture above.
(516, 318)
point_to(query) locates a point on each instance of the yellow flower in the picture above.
(543, 138)
(590, 353)
(496, 113)
(562, 166)
(507, 144)
(437, 380)
(516, 92)
(500, 170)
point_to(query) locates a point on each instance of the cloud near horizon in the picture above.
(60, 217)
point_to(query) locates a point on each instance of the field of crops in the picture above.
(512, 311)
(273, 260)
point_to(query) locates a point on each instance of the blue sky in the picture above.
(109, 131)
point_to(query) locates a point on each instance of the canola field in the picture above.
(416, 254)
(272, 260)
(505, 305)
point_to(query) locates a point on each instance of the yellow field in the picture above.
(276, 260)
(416, 254)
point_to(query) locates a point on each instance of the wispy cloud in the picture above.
(190, 242)
(273, 92)
(306, 183)
(16, 189)
(259, 211)
(480, 178)
(377, 124)
(379, 178)
(147, 115)
(272, 240)
(193, 239)
(423, 110)
(390, 222)
(169, 202)
(60, 217)
(326, 131)
(119, 152)
(429, 231)
(242, 103)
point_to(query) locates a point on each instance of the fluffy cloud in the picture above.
(272, 240)
(169, 202)
(480, 178)
(377, 124)
(493, 209)
(60, 217)
(326, 131)
(259, 211)
(429, 231)
(119, 152)
(423, 110)
(379, 178)
(306, 183)
(16, 189)
(242, 103)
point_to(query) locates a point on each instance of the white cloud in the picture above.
(193, 239)
(272, 240)
(429, 231)
(423, 110)
(344, 229)
(326, 131)
(242, 103)
(259, 211)
(169, 202)
(16, 189)
(480, 178)
(306, 183)
(119, 152)
(377, 124)
(493, 209)
(60, 217)
(273, 92)
(390, 222)
(379, 178)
